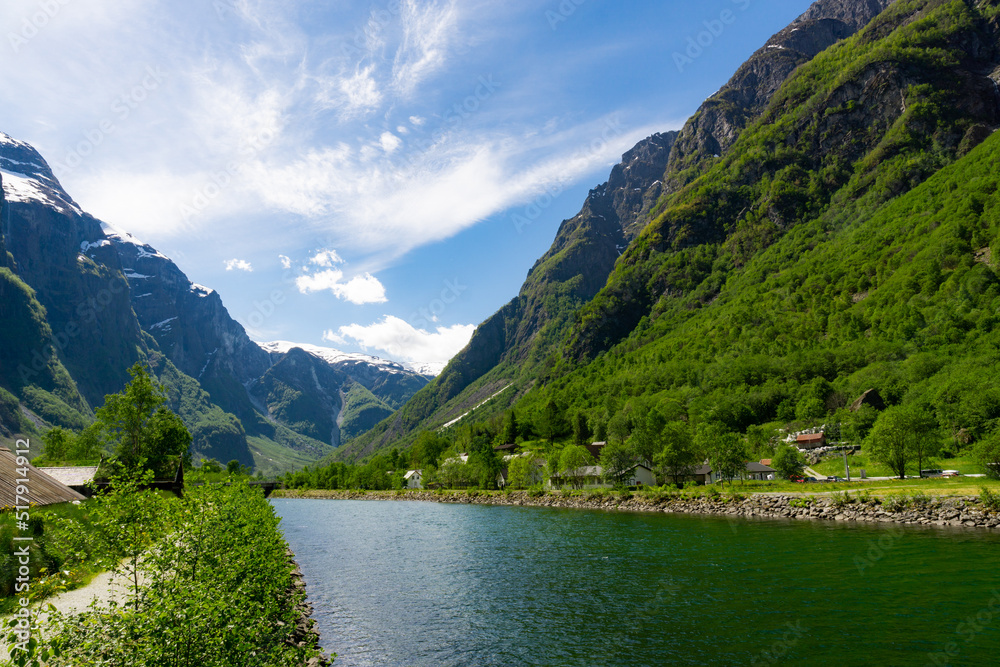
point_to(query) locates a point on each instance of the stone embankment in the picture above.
(305, 635)
(948, 511)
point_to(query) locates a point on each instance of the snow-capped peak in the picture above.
(335, 356)
(144, 249)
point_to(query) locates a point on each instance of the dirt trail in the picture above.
(105, 587)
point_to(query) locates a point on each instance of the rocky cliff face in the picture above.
(62, 253)
(713, 129)
(106, 300)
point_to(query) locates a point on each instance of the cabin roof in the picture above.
(43, 489)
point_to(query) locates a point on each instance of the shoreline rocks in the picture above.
(305, 635)
(966, 512)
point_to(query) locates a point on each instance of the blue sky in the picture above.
(352, 174)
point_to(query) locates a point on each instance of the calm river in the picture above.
(420, 583)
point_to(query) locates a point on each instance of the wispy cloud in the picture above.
(428, 29)
(400, 340)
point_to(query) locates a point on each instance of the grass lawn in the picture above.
(965, 464)
(942, 486)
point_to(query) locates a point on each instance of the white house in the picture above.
(593, 477)
(413, 479)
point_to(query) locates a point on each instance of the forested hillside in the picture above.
(835, 238)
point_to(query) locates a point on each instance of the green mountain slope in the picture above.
(752, 294)
(904, 299)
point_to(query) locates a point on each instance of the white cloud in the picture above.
(356, 197)
(389, 142)
(417, 121)
(361, 94)
(286, 262)
(239, 265)
(361, 289)
(428, 29)
(326, 258)
(401, 341)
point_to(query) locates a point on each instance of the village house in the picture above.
(704, 474)
(810, 440)
(592, 477)
(413, 479)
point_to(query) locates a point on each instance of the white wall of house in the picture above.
(414, 479)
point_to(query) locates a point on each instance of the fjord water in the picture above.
(411, 583)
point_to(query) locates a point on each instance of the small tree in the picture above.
(987, 454)
(129, 520)
(521, 471)
(601, 431)
(895, 440)
(581, 431)
(678, 457)
(573, 460)
(58, 444)
(726, 451)
(788, 461)
(550, 422)
(138, 426)
(510, 430)
(618, 462)
(619, 428)
(646, 440)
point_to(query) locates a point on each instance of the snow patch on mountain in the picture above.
(29, 188)
(333, 356)
(142, 249)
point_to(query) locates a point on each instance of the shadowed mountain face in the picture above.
(853, 104)
(85, 301)
(713, 129)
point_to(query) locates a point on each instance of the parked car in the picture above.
(797, 479)
(834, 478)
(950, 473)
(811, 480)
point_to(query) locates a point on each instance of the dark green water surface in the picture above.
(411, 583)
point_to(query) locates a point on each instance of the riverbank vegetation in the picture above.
(209, 584)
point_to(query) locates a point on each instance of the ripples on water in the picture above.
(414, 584)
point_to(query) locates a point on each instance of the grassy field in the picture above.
(835, 466)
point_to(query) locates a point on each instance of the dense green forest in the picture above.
(847, 241)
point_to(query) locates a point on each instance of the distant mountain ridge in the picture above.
(93, 300)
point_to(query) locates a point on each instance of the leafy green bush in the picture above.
(896, 502)
(989, 499)
(841, 499)
(218, 592)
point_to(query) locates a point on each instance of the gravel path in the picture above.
(105, 587)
